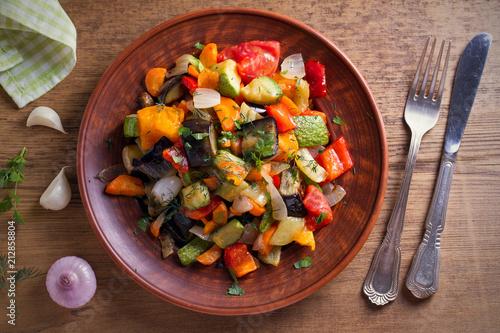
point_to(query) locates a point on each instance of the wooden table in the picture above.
(383, 39)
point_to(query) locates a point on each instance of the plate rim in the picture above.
(256, 309)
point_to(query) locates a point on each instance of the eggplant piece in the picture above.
(291, 186)
(201, 145)
(153, 164)
(167, 86)
(179, 226)
(260, 137)
(260, 109)
(294, 205)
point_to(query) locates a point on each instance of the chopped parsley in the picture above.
(13, 175)
(303, 263)
(338, 121)
(199, 46)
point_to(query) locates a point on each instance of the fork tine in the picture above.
(436, 70)
(426, 75)
(443, 76)
(413, 88)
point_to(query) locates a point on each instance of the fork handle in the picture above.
(382, 281)
(423, 278)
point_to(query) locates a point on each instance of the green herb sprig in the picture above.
(13, 174)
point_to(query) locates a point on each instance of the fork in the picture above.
(421, 114)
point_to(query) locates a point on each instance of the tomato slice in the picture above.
(316, 204)
(254, 58)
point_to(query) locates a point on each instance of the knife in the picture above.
(423, 277)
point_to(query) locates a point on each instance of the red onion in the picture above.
(71, 282)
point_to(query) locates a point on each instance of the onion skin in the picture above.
(71, 282)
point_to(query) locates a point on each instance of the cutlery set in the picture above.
(421, 114)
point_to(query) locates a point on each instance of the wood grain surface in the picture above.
(384, 40)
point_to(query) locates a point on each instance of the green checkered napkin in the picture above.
(37, 47)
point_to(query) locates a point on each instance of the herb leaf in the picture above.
(303, 263)
(235, 290)
(13, 175)
(199, 46)
(338, 121)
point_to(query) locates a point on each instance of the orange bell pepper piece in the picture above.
(290, 105)
(288, 144)
(208, 79)
(228, 112)
(192, 71)
(213, 183)
(154, 80)
(288, 86)
(126, 185)
(158, 121)
(208, 55)
(210, 256)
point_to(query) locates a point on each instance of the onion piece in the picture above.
(327, 188)
(249, 234)
(71, 282)
(242, 204)
(205, 98)
(335, 196)
(277, 202)
(198, 231)
(314, 151)
(182, 64)
(58, 194)
(166, 189)
(45, 116)
(293, 67)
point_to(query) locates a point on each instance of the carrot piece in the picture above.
(236, 147)
(228, 113)
(257, 209)
(256, 175)
(266, 237)
(208, 55)
(156, 225)
(234, 211)
(290, 105)
(209, 227)
(210, 256)
(192, 71)
(126, 185)
(154, 79)
(208, 79)
(212, 182)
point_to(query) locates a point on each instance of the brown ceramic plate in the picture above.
(202, 289)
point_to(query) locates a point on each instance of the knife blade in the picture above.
(423, 277)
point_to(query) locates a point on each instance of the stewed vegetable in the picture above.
(229, 155)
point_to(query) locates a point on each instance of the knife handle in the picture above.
(423, 278)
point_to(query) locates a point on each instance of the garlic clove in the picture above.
(58, 195)
(45, 116)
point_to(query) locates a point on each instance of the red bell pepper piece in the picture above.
(190, 83)
(335, 159)
(239, 259)
(320, 213)
(276, 181)
(177, 157)
(202, 212)
(316, 77)
(283, 118)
